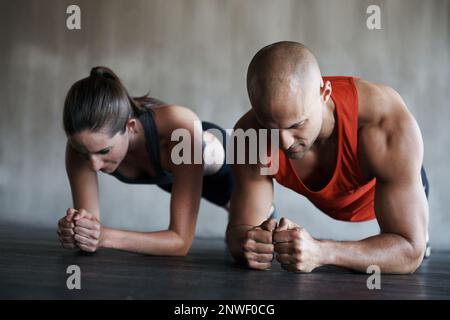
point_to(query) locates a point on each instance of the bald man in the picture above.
(351, 147)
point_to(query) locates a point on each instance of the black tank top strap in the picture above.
(152, 140)
(153, 149)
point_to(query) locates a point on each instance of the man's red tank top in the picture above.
(347, 196)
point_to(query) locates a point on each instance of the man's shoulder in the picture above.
(377, 101)
(385, 126)
(248, 121)
(380, 107)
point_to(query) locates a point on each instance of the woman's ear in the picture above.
(131, 125)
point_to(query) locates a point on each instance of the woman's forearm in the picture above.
(235, 236)
(164, 243)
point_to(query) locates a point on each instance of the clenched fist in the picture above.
(80, 229)
(258, 245)
(296, 250)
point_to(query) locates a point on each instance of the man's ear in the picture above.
(325, 90)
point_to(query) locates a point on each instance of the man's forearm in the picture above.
(165, 243)
(390, 252)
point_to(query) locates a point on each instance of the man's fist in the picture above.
(296, 250)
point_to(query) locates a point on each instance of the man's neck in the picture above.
(329, 123)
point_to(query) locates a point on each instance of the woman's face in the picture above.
(103, 152)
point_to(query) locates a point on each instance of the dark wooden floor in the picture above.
(33, 265)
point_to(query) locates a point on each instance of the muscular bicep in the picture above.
(393, 153)
(83, 182)
(401, 208)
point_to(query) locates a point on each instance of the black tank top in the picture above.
(152, 144)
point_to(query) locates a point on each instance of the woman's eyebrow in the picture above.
(103, 149)
(76, 147)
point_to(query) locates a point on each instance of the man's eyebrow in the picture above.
(299, 122)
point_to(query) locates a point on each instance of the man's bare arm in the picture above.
(393, 152)
(251, 201)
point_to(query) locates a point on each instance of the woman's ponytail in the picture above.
(101, 102)
(104, 72)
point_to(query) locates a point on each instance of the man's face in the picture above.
(103, 152)
(298, 116)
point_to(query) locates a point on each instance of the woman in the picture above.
(130, 138)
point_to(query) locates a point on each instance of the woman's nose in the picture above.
(96, 163)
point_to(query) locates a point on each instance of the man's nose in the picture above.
(286, 139)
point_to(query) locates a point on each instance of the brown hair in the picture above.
(101, 102)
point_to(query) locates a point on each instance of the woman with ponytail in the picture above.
(130, 138)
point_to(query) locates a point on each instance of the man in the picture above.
(348, 145)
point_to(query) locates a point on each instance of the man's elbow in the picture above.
(414, 257)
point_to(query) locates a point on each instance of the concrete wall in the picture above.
(195, 53)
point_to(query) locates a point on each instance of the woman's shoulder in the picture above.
(170, 117)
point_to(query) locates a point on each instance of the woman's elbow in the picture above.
(181, 247)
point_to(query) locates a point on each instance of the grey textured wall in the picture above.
(195, 53)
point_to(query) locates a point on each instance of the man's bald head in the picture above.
(279, 75)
